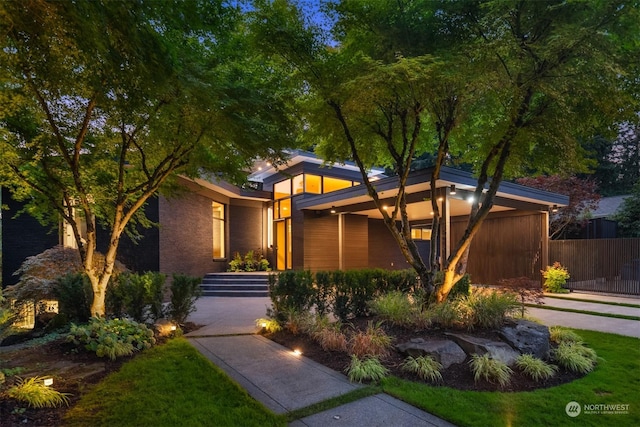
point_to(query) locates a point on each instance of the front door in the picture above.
(283, 244)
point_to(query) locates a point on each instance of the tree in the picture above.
(628, 215)
(583, 198)
(508, 87)
(102, 103)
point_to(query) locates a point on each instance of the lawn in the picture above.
(170, 385)
(616, 380)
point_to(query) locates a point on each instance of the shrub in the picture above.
(323, 292)
(39, 273)
(426, 367)
(575, 357)
(535, 368)
(7, 316)
(300, 322)
(449, 314)
(269, 325)
(74, 294)
(488, 309)
(112, 338)
(290, 291)
(138, 296)
(394, 307)
(369, 369)
(374, 341)
(185, 290)
(484, 367)
(527, 291)
(555, 277)
(559, 335)
(331, 338)
(251, 261)
(37, 395)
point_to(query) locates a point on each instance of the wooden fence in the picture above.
(600, 265)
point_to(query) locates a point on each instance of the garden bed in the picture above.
(458, 376)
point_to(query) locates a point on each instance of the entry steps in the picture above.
(252, 284)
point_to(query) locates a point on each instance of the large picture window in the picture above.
(218, 230)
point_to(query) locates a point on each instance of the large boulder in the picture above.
(476, 345)
(444, 351)
(527, 337)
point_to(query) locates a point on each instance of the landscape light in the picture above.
(297, 352)
(48, 382)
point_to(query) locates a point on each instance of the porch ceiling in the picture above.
(356, 200)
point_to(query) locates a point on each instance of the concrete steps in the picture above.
(255, 284)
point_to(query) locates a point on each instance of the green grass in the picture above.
(615, 380)
(592, 313)
(170, 385)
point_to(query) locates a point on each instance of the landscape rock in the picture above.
(476, 345)
(527, 337)
(446, 352)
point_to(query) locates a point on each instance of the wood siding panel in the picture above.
(355, 250)
(508, 244)
(320, 242)
(383, 249)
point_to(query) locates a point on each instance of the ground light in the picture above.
(297, 352)
(48, 381)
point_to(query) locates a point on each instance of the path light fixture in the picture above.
(297, 352)
(47, 381)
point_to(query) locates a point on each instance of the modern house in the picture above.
(307, 215)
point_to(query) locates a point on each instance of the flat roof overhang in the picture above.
(230, 190)
(356, 200)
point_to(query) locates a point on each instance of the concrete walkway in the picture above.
(282, 381)
(612, 325)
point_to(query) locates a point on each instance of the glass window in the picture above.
(312, 184)
(298, 184)
(218, 230)
(421, 232)
(284, 208)
(334, 184)
(282, 189)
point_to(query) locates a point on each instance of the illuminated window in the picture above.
(421, 232)
(298, 184)
(335, 184)
(284, 207)
(218, 230)
(312, 184)
(282, 189)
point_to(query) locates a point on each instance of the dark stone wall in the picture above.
(22, 237)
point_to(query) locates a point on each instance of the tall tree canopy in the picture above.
(509, 87)
(102, 102)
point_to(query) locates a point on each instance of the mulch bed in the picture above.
(458, 376)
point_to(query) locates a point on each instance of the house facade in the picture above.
(307, 215)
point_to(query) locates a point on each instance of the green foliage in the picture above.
(37, 395)
(373, 341)
(628, 214)
(448, 314)
(575, 357)
(400, 309)
(555, 278)
(558, 335)
(426, 367)
(488, 309)
(74, 294)
(252, 261)
(290, 291)
(112, 338)
(492, 370)
(138, 296)
(7, 316)
(185, 290)
(367, 369)
(535, 368)
(269, 325)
